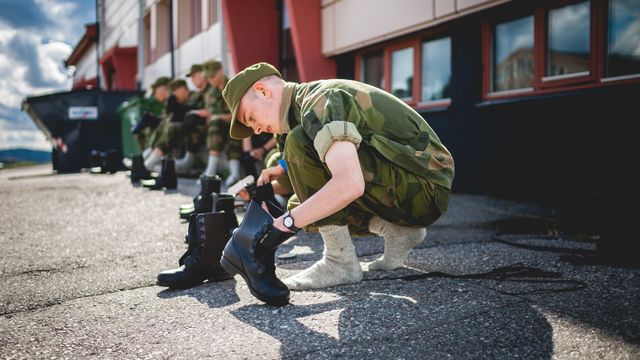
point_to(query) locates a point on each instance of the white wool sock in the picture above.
(127, 162)
(234, 172)
(153, 160)
(212, 165)
(146, 152)
(398, 242)
(339, 264)
(184, 164)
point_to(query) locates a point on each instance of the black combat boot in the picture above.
(110, 162)
(202, 202)
(221, 203)
(202, 263)
(251, 250)
(167, 179)
(262, 193)
(138, 171)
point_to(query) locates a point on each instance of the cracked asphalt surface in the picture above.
(80, 254)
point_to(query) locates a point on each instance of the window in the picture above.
(372, 70)
(513, 55)
(561, 45)
(213, 12)
(568, 48)
(623, 40)
(162, 29)
(402, 73)
(147, 39)
(416, 69)
(288, 64)
(189, 19)
(436, 69)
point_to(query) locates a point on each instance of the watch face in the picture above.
(288, 221)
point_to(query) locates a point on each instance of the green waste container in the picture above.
(129, 113)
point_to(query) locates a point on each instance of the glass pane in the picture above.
(568, 39)
(436, 69)
(623, 50)
(513, 54)
(373, 69)
(402, 73)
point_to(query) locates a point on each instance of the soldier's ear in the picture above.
(261, 90)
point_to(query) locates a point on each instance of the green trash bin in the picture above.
(129, 113)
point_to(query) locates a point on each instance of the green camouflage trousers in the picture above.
(218, 139)
(270, 160)
(391, 192)
(168, 136)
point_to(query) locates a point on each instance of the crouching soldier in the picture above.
(359, 160)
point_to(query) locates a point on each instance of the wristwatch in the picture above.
(288, 222)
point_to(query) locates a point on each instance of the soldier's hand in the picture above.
(202, 113)
(258, 153)
(269, 174)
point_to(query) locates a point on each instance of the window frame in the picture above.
(597, 42)
(414, 41)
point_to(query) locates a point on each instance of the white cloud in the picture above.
(31, 139)
(34, 42)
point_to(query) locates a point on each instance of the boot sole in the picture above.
(185, 286)
(233, 269)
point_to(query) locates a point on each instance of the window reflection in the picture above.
(623, 48)
(436, 69)
(568, 39)
(373, 69)
(402, 73)
(513, 54)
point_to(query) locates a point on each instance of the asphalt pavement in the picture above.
(80, 255)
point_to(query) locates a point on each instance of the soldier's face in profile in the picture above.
(181, 94)
(260, 110)
(198, 79)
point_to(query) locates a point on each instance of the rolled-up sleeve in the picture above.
(335, 131)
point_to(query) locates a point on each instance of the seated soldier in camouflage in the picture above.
(217, 116)
(168, 136)
(359, 159)
(194, 129)
(155, 105)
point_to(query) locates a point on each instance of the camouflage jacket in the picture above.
(214, 102)
(196, 98)
(346, 110)
(152, 105)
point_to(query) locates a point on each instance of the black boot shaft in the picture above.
(226, 204)
(211, 237)
(209, 185)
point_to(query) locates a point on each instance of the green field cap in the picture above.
(237, 87)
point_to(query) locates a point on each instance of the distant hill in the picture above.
(24, 155)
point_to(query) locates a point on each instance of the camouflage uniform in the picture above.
(218, 130)
(155, 107)
(407, 170)
(273, 156)
(171, 135)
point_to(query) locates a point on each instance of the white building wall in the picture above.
(345, 26)
(204, 46)
(86, 66)
(120, 26)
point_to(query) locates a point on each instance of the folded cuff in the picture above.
(335, 131)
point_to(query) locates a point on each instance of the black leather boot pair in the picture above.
(138, 171)
(103, 162)
(168, 178)
(203, 202)
(251, 251)
(207, 235)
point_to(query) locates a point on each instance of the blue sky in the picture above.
(36, 36)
